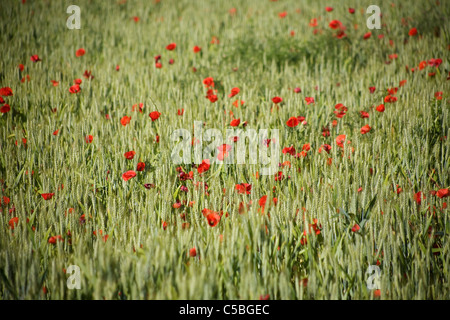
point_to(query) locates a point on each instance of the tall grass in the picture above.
(246, 255)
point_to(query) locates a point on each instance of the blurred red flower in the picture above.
(292, 122)
(154, 115)
(204, 166)
(235, 122)
(125, 120)
(277, 100)
(234, 92)
(365, 129)
(130, 154)
(412, 32)
(47, 196)
(128, 175)
(80, 52)
(140, 166)
(74, 89)
(35, 58)
(244, 188)
(6, 91)
(213, 219)
(171, 46)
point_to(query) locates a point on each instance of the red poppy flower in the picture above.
(390, 99)
(325, 147)
(74, 89)
(306, 147)
(365, 129)
(12, 222)
(292, 122)
(125, 120)
(442, 193)
(208, 82)
(412, 32)
(5, 200)
(367, 35)
(197, 49)
(35, 58)
(434, 62)
(329, 9)
(204, 166)
(392, 91)
(282, 14)
(129, 155)
(88, 75)
(140, 166)
(235, 122)
(171, 61)
(438, 95)
(304, 239)
(351, 10)
(21, 67)
(6, 91)
(262, 201)
(277, 100)
(364, 114)
(334, 24)
(341, 34)
(154, 115)
(55, 133)
(393, 56)
(340, 140)
(54, 83)
(89, 139)
(47, 196)
(372, 89)
(309, 100)
(356, 228)
(128, 175)
(213, 219)
(193, 252)
(402, 83)
(117, 68)
(212, 98)
(171, 46)
(1, 100)
(289, 150)
(244, 188)
(422, 65)
(313, 22)
(5, 109)
(136, 106)
(53, 239)
(234, 92)
(180, 112)
(380, 108)
(223, 151)
(418, 197)
(136, 19)
(80, 52)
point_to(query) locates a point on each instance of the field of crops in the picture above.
(87, 170)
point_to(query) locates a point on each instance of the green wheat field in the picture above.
(87, 178)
